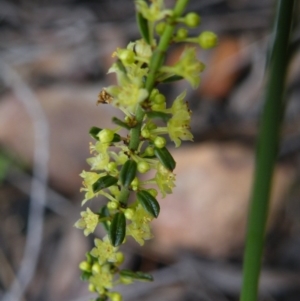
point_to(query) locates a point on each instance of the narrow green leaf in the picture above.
(104, 182)
(165, 158)
(85, 276)
(161, 115)
(104, 212)
(128, 172)
(171, 79)
(149, 202)
(136, 275)
(120, 123)
(121, 66)
(94, 131)
(117, 229)
(143, 27)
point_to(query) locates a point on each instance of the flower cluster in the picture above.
(117, 161)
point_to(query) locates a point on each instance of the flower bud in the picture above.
(92, 288)
(160, 142)
(96, 268)
(145, 133)
(143, 166)
(126, 56)
(119, 257)
(112, 205)
(159, 99)
(112, 166)
(153, 93)
(181, 33)
(129, 213)
(149, 151)
(160, 28)
(85, 266)
(115, 297)
(207, 39)
(135, 183)
(158, 107)
(153, 192)
(192, 20)
(106, 136)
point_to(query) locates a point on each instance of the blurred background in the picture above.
(54, 56)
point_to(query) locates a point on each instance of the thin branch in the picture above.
(38, 191)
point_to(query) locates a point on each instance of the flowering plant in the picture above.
(118, 161)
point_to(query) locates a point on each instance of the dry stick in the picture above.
(38, 191)
(267, 150)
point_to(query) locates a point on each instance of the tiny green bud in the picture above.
(112, 205)
(158, 107)
(143, 166)
(106, 136)
(181, 33)
(160, 142)
(149, 151)
(159, 99)
(145, 133)
(92, 288)
(129, 213)
(192, 20)
(96, 268)
(153, 192)
(153, 93)
(115, 296)
(135, 183)
(122, 158)
(151, 126)
(127, 56)
(85, 266)
(160, 28)
(120, 257)
(207, 39)
(112, 166)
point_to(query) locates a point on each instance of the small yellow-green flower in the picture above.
(139, 228)
(102, 280)
(104, 251)
(154, 12)
(188, 66)
(127, 96)
(89, 178)
(88, 221)
(101, 160)
(165, 180)
(179, 124)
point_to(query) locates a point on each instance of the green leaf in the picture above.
(117, 229)
(155, 114)
(172, 79)
(121, 66)
(85, 276)
(121, 123)
(104, 182)
(149, 202)
(104, 212)
(136, 275)
(165, 158)
(94, 131)
(143, 27)
(128, 172)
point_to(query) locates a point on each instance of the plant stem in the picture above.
(156, 62)
(267, 150)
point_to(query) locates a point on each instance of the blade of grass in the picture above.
(267, 150)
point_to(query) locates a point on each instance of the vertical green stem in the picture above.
(156, 61)
(267, 150)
